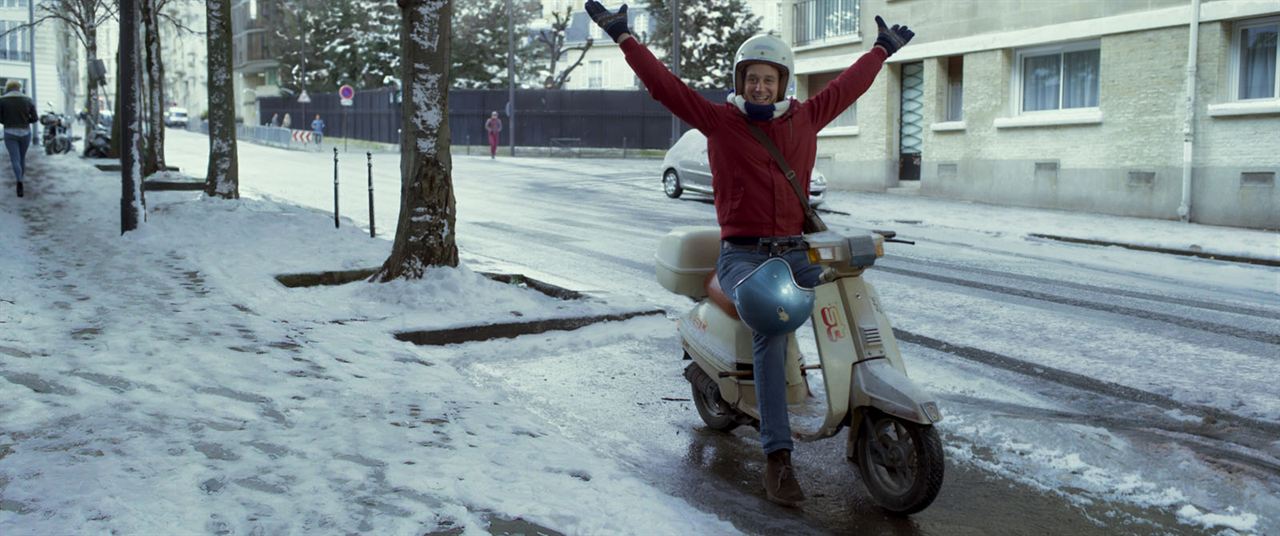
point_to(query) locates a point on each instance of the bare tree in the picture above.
(425, 233)
(153, 157)
(554, 40)
(83, 17)
(223, 178)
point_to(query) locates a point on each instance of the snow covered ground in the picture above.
(164, 382)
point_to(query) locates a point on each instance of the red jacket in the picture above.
(752, 196)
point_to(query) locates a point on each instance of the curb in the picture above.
(1170, 251)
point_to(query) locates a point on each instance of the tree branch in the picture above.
(565, 75)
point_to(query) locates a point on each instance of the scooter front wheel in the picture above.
(901, 462)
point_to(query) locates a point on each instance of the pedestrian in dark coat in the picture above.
(17, 112)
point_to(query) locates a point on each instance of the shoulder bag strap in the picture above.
(782, 163)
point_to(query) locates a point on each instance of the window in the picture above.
(16, 43)
(1255, 60)
(955, 88)
(595, 74)
(595, 31)
(817, 20)
(1056, 78)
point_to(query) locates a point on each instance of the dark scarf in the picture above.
(759, 112)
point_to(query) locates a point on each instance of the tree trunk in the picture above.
(223, 176)
(91, 98)
(131, 200)
(425, 233)
(153, 160)
(113, 150)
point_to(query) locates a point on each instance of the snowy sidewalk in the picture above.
(1188, 239)
(162, 382)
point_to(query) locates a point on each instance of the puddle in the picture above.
(36, 383)
(502, 527)
(315, 279)
(512, 330)
(498, 527)
(14, 352)
(172, 186)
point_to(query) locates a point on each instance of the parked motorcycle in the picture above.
(56, 137)
(99, 143)
(891, 437)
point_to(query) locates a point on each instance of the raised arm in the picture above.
(854, 81)
(663, 86)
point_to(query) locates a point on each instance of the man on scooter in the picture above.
(756, 206)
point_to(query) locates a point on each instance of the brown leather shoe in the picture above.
(780, 484)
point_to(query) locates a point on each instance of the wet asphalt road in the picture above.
(591, 226)
(721, 473)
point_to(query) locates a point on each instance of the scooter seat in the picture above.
(718, 297)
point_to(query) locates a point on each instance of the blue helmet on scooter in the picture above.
(770, 301)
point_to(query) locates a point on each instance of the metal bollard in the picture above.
(369, 155)
(335, 187)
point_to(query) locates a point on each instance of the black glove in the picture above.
(893, 38)
(614, 24)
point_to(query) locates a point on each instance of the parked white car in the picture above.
(177, 117)
(686, 168)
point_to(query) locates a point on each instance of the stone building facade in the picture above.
(1071, 105)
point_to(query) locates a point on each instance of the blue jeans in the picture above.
(769, 354)
(17, 147)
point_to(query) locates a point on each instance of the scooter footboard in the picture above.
(878, 384)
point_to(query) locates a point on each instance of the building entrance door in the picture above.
(911, 122)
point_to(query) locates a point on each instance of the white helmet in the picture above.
(764, 48)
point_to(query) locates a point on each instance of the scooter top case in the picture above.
(711, 333)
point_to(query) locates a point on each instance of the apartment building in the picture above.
(186, 68)
(49, 58)
(1079, 105)
(254, 60)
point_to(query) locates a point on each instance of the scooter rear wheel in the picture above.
(901, 462)
(706, 397)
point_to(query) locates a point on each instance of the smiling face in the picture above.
(760, 84)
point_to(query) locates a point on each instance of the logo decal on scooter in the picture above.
(831, 319)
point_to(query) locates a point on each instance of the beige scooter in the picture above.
(891, 435)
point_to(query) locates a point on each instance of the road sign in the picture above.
(346, 93)
(303, 98)
(302, 136)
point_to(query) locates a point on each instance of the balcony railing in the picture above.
(819, 20)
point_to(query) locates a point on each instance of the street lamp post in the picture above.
(675, 62)
(31, 31)
(511, 77)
